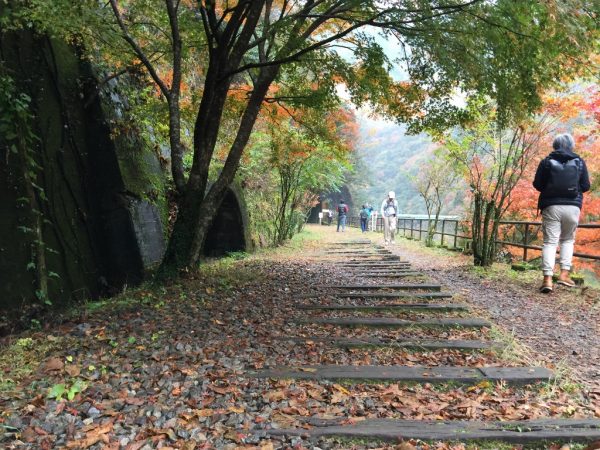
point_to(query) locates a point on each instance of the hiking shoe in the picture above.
(566, 282)
(546, 289)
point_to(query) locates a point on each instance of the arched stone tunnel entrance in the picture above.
(229, 231)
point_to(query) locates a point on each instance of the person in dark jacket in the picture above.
(561, 178)
(364, 217)
(342, 212)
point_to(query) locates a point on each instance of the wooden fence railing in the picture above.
(454, 233)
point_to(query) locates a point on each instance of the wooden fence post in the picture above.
(526, 238)
(443, 229)
(455, 232)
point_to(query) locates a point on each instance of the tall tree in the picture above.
(492, 160)
(435, 184)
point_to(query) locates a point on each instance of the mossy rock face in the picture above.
(106, 204)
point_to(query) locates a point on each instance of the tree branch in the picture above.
(138, 51)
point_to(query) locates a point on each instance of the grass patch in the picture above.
(502, 272)
(114, 304)
(510, 349)
(562, 382)
(22, 358)
(515, 352)
(226, 274)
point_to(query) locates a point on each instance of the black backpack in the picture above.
(364, 214)
(563, 178)
(341, 209)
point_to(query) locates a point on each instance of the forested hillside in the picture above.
(389, 158)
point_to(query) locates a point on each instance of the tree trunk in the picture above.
(476, 230)
(176, 149)
(206, 130)
(197, 211)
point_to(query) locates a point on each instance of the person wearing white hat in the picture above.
(389, 211)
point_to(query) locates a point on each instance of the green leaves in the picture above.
(58, 391)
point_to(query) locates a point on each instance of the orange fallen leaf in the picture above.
(53, 364)
(342, 389)
(236, 409)
(94, 436)
(73, 370)
(274, 396)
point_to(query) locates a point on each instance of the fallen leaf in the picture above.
(134, 401)
(275, 396)
(136, 445)
(342, 389)
(53, 364)
(338, 397)
(406, 446)
(74, 371)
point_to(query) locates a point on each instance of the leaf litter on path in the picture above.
(171, 371)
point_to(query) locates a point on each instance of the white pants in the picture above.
(559, 223)
(389, 228)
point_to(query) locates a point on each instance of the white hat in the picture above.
(391, 194)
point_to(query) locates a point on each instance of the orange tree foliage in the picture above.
(578, 113)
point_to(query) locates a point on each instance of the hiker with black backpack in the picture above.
(364, 217)
(342, 210)
(561, 178)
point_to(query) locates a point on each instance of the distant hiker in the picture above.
(364, 217)
(389, 211)
(562, 178)
(329, 217)
(370, 209)
(342, 210)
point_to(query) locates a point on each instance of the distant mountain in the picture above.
(387, 156)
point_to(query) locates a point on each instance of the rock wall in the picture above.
(230, 231)
(103, 201)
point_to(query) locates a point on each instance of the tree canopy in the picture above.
(200, 54)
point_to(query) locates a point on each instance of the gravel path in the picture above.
(561, 328)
